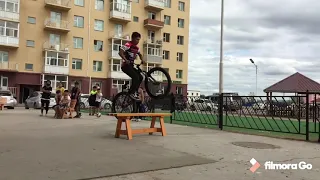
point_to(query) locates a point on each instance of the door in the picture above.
(4, 83)
(118, 29)
(151, 35)
(56, 18)
(54, 39)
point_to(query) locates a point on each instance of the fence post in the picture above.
(307, 116)
(220, 112)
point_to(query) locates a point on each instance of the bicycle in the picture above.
(153, 92)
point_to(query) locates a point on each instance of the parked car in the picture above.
(84, 102)
(34, 100)
(203, 105)
(11, 101)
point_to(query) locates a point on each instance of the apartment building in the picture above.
(78, 40)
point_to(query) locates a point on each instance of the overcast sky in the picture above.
(281, 36)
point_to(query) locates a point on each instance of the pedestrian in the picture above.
(75, 96)
(45, 98)
(98, 102)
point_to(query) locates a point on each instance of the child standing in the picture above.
(98, 102)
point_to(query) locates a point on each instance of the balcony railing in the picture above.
(57, 24)
(9, 15)
(9, 65)
(56, 65)
(9, 41)
(155, 4)
(60, 4)
(120, 12)
(119, 35)
(153, 40)
(152, 23)
(61, 47)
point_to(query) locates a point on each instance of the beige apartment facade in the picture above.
(78, 40)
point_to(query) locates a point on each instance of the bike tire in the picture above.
(114, 102)
(169, 83)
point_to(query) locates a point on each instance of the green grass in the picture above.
(272, 127)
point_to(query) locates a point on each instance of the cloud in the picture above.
(282, 37)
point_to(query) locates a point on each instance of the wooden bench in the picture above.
(126, 118)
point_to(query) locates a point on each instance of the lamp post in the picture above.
(221, 50)
(256, 75)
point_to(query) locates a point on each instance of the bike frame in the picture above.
(144, 74)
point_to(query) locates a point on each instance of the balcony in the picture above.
(156, 59)
(54, 65)
(63, 5)
(153, 54)
(115, 71)
(120, 12)
(56, 25)
(8, 66)
(119, 36)
(9, 42)
(11, 16)
(57, 47)
(153, 24)
(154, 5)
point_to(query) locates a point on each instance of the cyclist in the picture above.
(128, 53)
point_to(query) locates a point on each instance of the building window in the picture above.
(79, 2)
(180, 23)
(115, 65)
(10, 29)
(98, 25)
(166, 37)
(9, 6)
(135, 19)
(179, 56)
(97, 66)
(152, 15)
(55, 80)
(98, 45)
(77, 64)
(31, 20)
(30, 43)
(181, 6)
(4, 56)
(179, 90)
(179, 74)
(77, 42)
(99, 5)
(167, 20)
(180, 40)
(119, 83)
(166, 54)
(28, 66)
(78, 21)
(167, 3)
(55, 59)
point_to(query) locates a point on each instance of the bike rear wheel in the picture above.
(123, 103)
(153, 87)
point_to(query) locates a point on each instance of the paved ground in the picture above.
(40, 148)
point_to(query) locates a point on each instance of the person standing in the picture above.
(140, 103)
(98, 102)
(92, 101)
(75, 96)
(45, 98)
(60, 88)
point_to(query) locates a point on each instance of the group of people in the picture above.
(95, 99)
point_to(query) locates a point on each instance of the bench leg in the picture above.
(118, 128)
(153, 122)
(129, 130)
(163, 128)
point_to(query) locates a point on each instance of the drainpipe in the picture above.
(89, 40)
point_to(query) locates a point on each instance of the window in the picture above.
(28, 66)
(78, 21)
(30, 43)
(181, 6)
(180, 23)
(166, 37)
(118, 29)
(167, 3)
(4, 56)
(166, 54)
(9, 6)
(135, 19)
(179, 90)
(99, 5)
(10, 29)
(179, 56)
(54, 39)
(98, 45)
(115, 65)
(31, 20)
(167, 20)
(77, 42)
(179, 74)
(180, 40)
(56, 59)
(119, 83)
(98, 25)
(77, 64)
(97, 66)
(154, 51)
(151, 15)
(79, 2)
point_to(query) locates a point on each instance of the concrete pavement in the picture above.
(33, 147)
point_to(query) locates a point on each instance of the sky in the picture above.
(281, 36)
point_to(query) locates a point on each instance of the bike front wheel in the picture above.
(158, 86)
(123, 103)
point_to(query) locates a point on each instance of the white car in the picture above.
(11, 101)
(84, 102)
(34, 100)
(203, 105)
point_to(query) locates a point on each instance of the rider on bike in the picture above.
(128, 53)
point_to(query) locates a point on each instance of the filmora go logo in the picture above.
(255, 165)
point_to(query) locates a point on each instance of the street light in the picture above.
(256, 75)
(221, 50)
